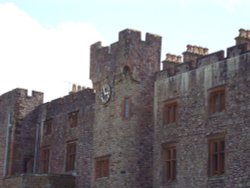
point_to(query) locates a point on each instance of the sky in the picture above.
(44, 44)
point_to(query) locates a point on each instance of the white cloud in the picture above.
(35, 57)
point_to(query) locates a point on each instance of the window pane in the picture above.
(126, 108)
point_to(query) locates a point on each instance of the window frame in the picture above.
(169, 160)
(217, 100)
(216, 156)
(126, 108)
(70, 162)
(102, 167)
(73, 118)
(47, 127)
(170, 109)
(45, 159)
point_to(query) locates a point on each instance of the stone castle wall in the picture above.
(190, 87)
(134, 145)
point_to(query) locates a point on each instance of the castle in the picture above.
(185, 126)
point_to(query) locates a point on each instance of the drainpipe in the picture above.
(37, 145)
(7, 144)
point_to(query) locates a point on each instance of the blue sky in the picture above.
(45, 43)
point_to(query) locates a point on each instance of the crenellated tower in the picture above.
(123, 77)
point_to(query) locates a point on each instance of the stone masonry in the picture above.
(186, 125)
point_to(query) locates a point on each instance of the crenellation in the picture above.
(184, 126)
(238, 49)
(211, 58)
(107, 61)
(128, 35)
(153, 38)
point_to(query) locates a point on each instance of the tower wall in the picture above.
(128, 67)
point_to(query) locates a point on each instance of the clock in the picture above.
(105, 93)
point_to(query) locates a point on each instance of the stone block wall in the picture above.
(17, 131)
(195, 126)
(58, 111)
(128, 67)
(39, 181)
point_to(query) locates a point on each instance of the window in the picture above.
(217, 100)
(73, 117)
(126, 108)
(169, 162)
(47, 127)
(70, 156)
(45, 155)
(170, 112)
(102, 167)
(216, 156)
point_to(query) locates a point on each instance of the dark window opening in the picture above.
(216, 100)
(45, 155)
(169, 160)
(216, 156)
(102, 167)
(170, 113)
(70, 156)
(47, 127)
(73, 119)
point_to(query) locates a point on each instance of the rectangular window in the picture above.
(217, 100)
(170, 113)
(216, 156)
(102, 167)
(126, 108)
(70, 156)
(47, 127)
(73, 119)
(45, 155)
(169, 162)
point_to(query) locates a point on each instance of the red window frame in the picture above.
(126, 108)
(170, 112)
(45, 159)
(70, 156)
(217, 99)
(102, 167)
(169, 160)
(216, 156)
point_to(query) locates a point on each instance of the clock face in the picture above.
(105, 93)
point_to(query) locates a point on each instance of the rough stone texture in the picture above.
(26, 133)
(82, 134)
(194, 125)
(128, 66)
(131, 67)
(39, 181)
(16, 107)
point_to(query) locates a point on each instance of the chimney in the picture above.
(74, 89)
(79, 88)
(170, 62)
(244, 37)
(193, 52)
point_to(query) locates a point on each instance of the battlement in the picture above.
(84, 94)
(23, 93)
(197, 56)
(126, 37)
(129, 50)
